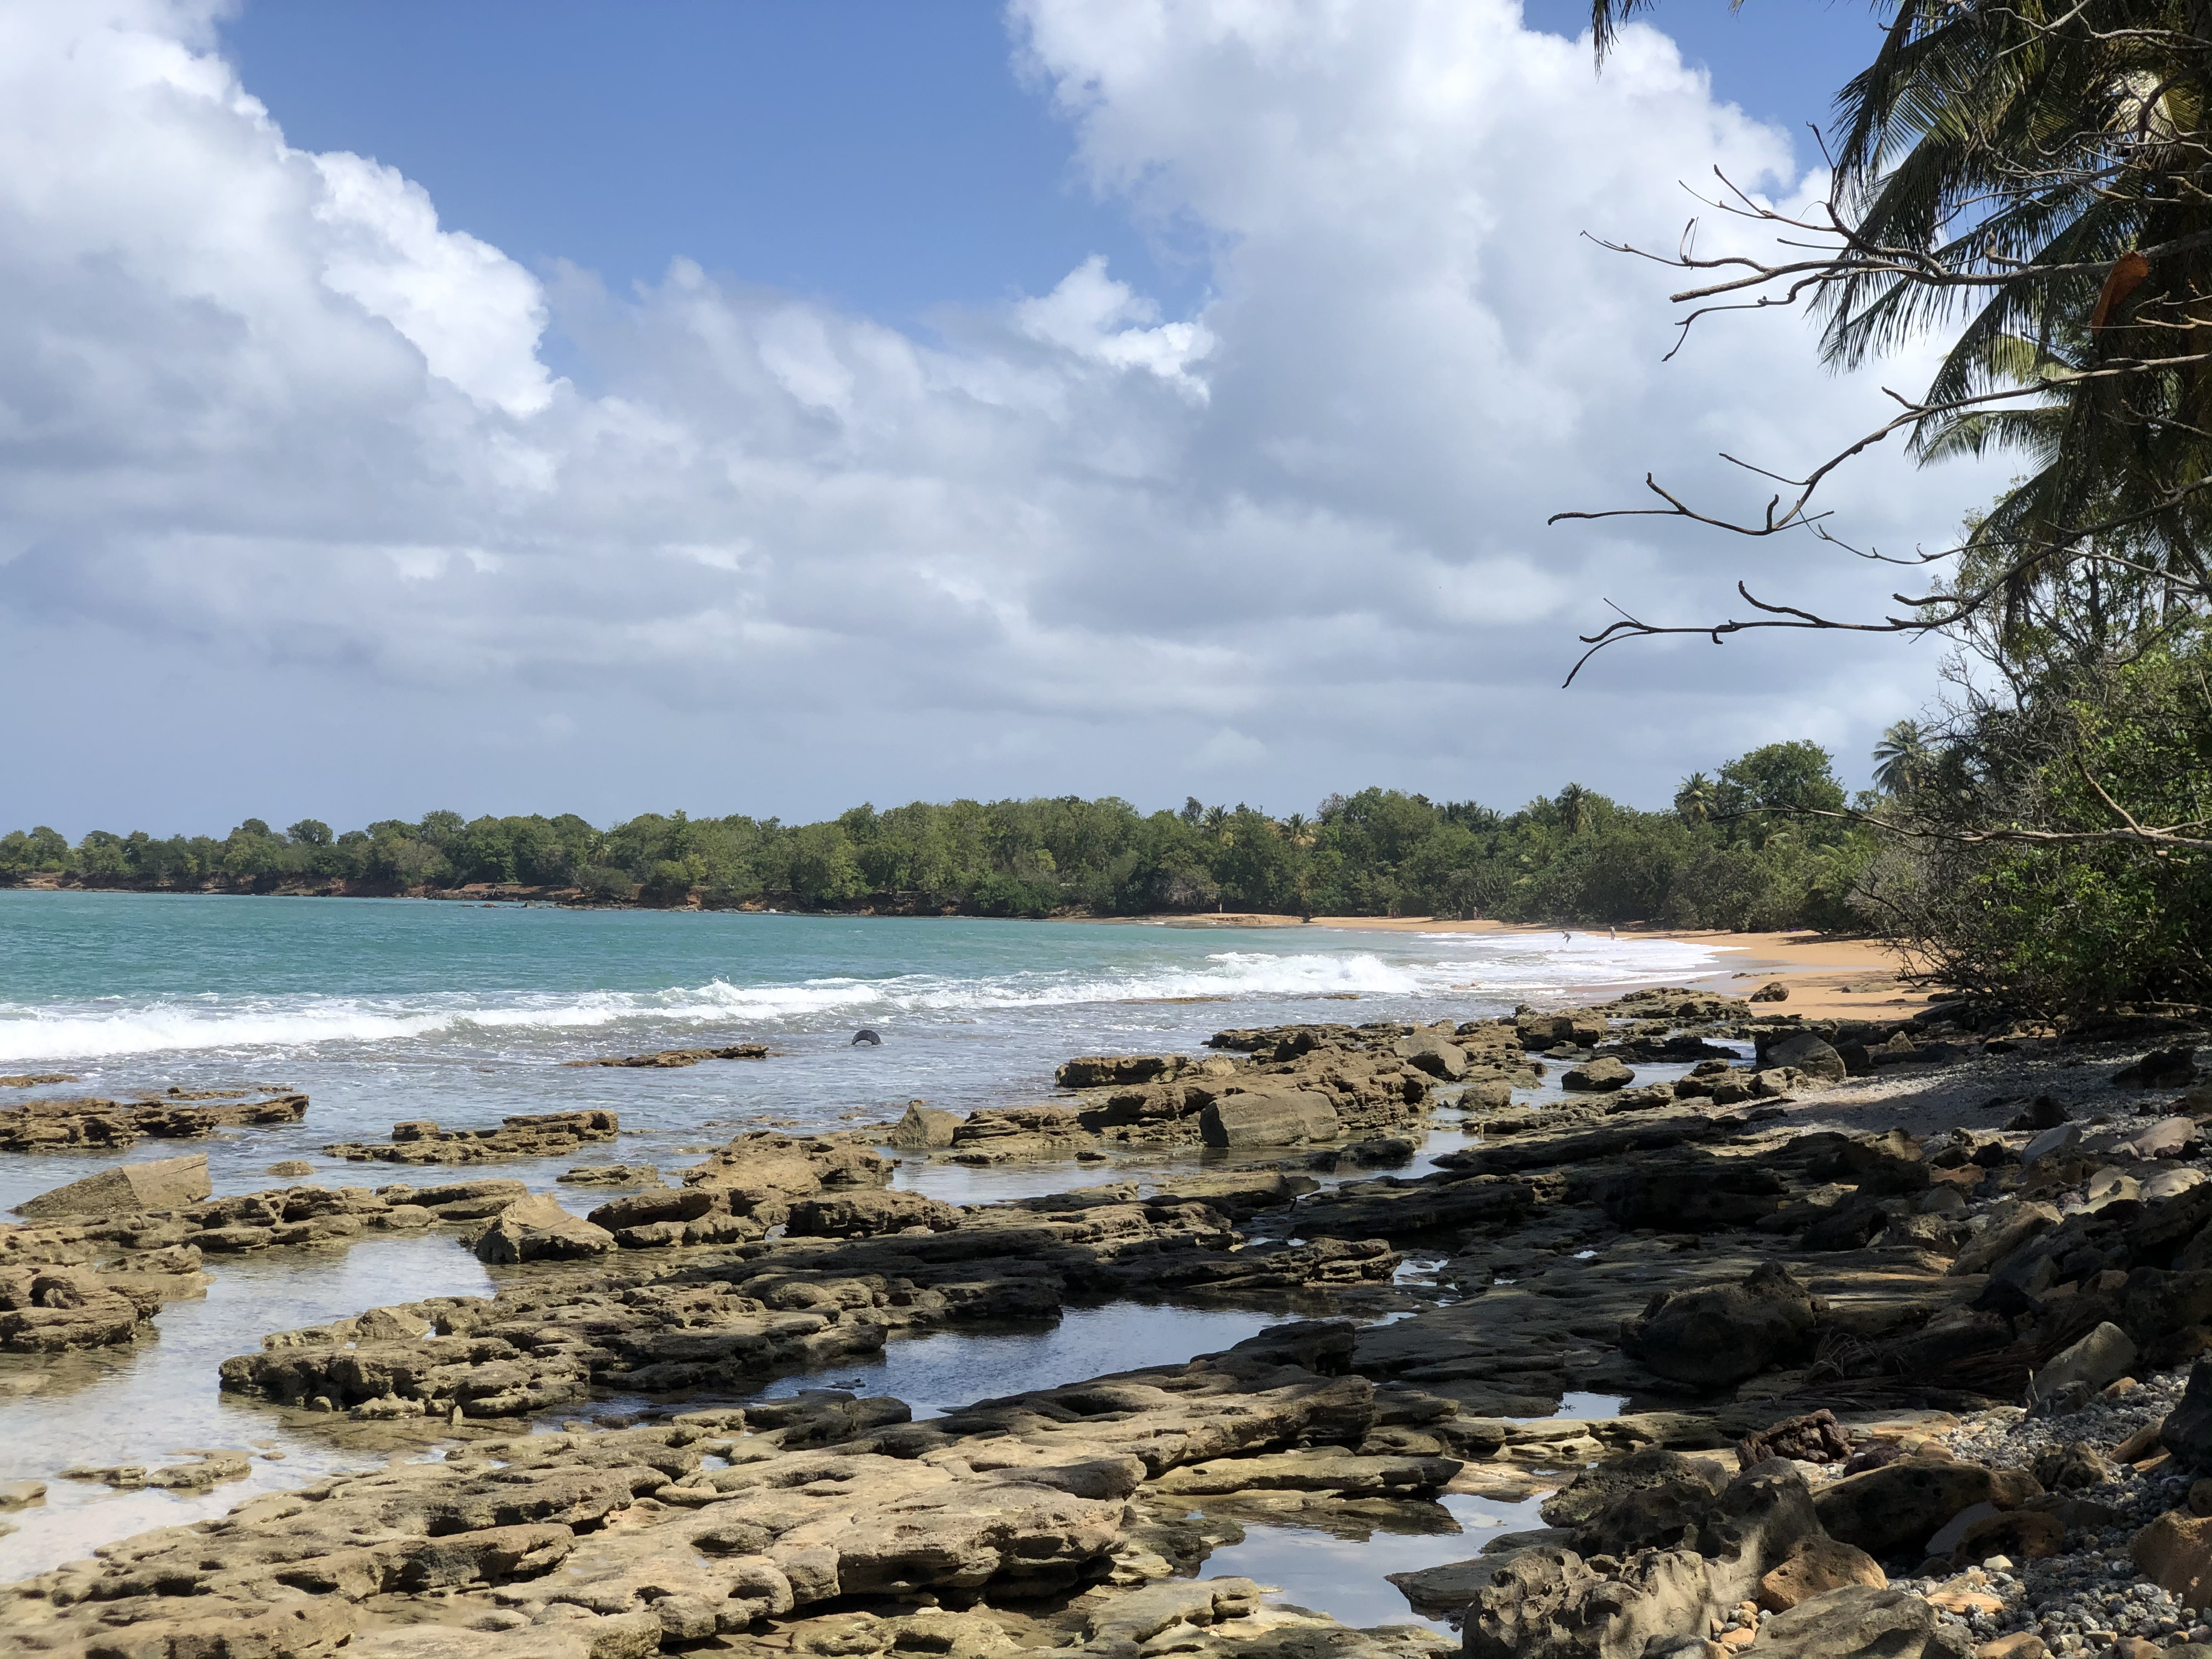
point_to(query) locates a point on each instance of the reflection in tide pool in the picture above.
(1340, 1569)
(944, 1372)
(149, 1402)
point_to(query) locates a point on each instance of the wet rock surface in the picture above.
(525, 1135)
(671, 1059)
(57, 1125)
(1828, 1342)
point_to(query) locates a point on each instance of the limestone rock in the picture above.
(538, 1229)
(167, 1183)
(174, 1114)
(1861, 1619)
(542, 1135)
(2105, 1355)
(924, 1126)
(390, 1325)
(1104, 1071)
(1599, 1076)
(2175, 1554)
(1814, 1567)
(867, 1213)
(1438, 1056)
(670, 1059)
(1804, 1052)
(1328, 1469)
(47, 1309)
(1272, 1118)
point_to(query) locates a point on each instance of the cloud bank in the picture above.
(277, 446)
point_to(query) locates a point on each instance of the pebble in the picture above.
(2091, 1598)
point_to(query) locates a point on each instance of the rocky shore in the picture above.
(1902, 1331)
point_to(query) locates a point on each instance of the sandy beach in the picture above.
(1829, 976)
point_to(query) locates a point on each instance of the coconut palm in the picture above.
(2030, 171)
(1695, 799)
(1901, 758)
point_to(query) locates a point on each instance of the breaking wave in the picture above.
(1447, 964)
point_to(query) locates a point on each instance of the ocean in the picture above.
(384, 1010)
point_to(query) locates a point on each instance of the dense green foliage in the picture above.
(2091, 916)
(1726, 856)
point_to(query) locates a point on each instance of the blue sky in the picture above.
(880, 154)
(765, 407)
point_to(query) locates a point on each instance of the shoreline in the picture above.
(1451, 1326)
(1829, 976)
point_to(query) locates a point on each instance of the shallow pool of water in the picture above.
(149, 1402)
(944, 1372)
(1327, 1571)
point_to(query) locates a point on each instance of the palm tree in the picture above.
(2031, 169)
(1573, 806)
(1901, 758)
(1695, 799)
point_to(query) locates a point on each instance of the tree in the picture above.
(1901, 758)
(2034, 173)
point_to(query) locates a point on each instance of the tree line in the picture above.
(1728, 853)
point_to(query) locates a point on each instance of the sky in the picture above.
(765, 407)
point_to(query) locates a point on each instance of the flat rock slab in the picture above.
(165, 1183)
(672, 1059)
(54, 1125)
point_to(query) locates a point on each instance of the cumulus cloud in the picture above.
(259, 402)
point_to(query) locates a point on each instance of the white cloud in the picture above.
(257, 399)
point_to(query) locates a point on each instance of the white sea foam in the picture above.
(110, 1028)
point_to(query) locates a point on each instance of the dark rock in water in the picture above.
(864, 1034)
(1323, 1346)
(671, 1059)
(1440, 1592)
(1690, 1191)
(1717, 1336)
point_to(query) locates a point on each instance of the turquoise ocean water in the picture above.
(389, 1009)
